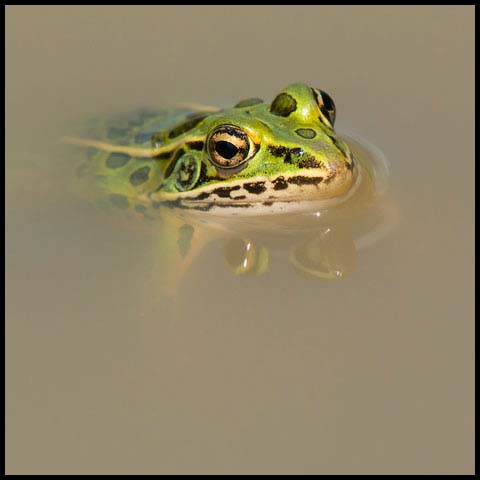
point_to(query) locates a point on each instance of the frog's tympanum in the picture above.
(201, 165)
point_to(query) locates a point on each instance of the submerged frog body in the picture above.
(255, 157)
(200, 167)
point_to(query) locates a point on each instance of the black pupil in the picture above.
(226, 149)
(327, 100)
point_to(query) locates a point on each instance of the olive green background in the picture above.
(373, 374)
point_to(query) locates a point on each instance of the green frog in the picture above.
(254, 159)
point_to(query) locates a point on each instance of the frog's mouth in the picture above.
(305, 185)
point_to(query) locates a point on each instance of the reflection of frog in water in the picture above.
(324, 242)
(323, 251)
(320, 244)
(200, 169)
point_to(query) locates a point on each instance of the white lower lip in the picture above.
(266, 204)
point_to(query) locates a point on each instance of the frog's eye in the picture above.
(326, 105)
(229, 147)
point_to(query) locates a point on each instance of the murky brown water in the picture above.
(282, 372)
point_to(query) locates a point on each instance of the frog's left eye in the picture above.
(326, 105)
(229, 148)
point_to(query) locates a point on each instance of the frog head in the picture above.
(260, 154)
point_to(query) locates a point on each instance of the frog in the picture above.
(256, 157)
(202, 165)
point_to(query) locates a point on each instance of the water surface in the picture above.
(280, 372)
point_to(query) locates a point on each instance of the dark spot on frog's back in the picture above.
(120, 201)
(117, 160)
(139, 176)
(283, 105)
(117, 132)
(187, 125)
(144, 137)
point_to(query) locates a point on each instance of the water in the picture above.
(283, 371)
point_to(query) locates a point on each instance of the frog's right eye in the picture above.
(229, 148)
(326, 105)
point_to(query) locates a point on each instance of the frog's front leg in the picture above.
(176, 249)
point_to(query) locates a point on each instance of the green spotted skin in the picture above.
(254, 157)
